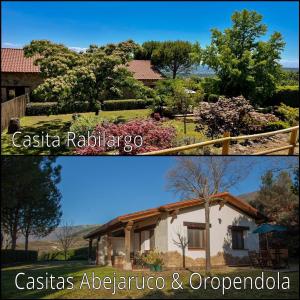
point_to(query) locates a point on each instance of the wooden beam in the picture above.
(128, 236)
(109, 249)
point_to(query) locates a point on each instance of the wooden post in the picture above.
(225, 146)
(90, 250)
(293, 141)
(97, 251)
(128, 232)
(109, 249)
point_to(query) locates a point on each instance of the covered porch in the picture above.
(118, 243)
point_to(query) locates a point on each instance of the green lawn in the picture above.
(60, 124)
(77, 269)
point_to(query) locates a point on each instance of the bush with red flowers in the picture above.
(133, 137)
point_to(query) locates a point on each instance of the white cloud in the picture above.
(77, 49)
(11, 45)
(290, 63)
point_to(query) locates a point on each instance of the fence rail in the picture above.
(14, 108)
(226, 139)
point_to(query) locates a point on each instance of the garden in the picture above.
(92, 95)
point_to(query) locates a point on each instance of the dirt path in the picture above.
(264, 144)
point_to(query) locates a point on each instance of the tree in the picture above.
(171, 56)
(277, 198)
(245, 64)
(182, 242)
(66, 237)
(30, 198)
(202, 177)
(180, 102)
(41, 212)
(92, 76)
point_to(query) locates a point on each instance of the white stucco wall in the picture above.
(220, 219)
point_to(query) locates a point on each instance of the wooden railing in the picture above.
(14, 108)
(226, 139)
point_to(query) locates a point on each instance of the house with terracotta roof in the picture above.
(19, 75)
(232, 221)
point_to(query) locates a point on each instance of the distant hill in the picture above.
(50, 242)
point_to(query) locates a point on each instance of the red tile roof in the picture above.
(143, 70)
(141, 215)
(13, 60)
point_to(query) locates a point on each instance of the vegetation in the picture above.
(244, 63)
(171, 56)
(226, 115)
(136, 136)
(92, 76)
(30, 197)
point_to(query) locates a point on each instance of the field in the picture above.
(60, 124)
(76, 270)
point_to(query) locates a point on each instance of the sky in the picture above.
(98, 189)
(79, 24)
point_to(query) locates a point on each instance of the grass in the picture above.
(77, 269)
(59, 125)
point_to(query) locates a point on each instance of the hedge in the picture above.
(17, 256)
(126, 104)
(288, 95)
(50, 108)
(72, 254)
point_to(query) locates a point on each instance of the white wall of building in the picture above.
(220, 219)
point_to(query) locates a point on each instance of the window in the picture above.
(196, 238)
(237, 239)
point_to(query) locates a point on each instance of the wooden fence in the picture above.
(14, 108)
(226, 139)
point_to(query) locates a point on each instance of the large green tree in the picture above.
(30, 197)
(171, 57)
(93, 76)
(245, 63)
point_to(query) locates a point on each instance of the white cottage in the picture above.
(231, 224)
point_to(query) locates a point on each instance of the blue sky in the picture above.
(79, 24)
(97, 189)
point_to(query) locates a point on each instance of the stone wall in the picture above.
(14, 80)
(173, 259)
(21, 79)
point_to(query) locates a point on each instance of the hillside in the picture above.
(50, 242)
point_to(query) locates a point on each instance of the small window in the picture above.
(237, 239)
(196, 238)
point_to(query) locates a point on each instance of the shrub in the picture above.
(278, 125)
(153, 258)
(226, 115)
(126, 104)
(289, 95)
(288, 114)
(41, 108)
(16, 256)
(213, 98)
(83, 124)
(51, 108)
(121, 137)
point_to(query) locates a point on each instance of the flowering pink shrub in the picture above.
(126, 138)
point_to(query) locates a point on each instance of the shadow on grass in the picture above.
(57, 269)
(55, 127)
